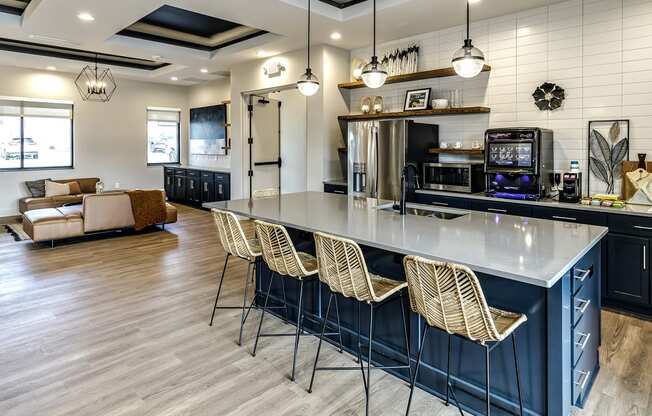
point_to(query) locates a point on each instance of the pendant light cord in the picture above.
(468, 19)
(309, 1)
(374, 54)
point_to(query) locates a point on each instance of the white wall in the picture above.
(249, 76)
(110, 139)
(203, 95)
(600, 51)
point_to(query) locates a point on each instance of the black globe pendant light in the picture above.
(373, 74)
(308, 84)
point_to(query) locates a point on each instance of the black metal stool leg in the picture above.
(371, 336)
(219, 287)
(250, 270)
(448, 371)
(416, 370)
(518, 378)
(407, 339)
(298, 335)
(260, 324)
(339, 325)
(321, 338)
(359, 358)
(488, 395)
(285, 302)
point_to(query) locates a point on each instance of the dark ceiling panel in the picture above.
(186, 21)
(342, 4)
(40, 49)
(12, 8)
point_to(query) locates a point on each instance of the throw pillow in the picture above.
(75, 189)
(56, 189)
(36, 188)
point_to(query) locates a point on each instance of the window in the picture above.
(163, 135)
(35, 135)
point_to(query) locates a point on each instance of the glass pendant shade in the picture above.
(373, 74)
(308, 84)
(468, 61)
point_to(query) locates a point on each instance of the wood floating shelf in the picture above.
(415, 76)
(471, 152)
(416, 113)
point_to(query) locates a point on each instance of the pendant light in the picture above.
(96, 83)
(373, 74)
(308, 84)
(469, 60)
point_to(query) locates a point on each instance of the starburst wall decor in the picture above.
(549, 96)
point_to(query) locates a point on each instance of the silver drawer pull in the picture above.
(583, 305)
(583, 379)
(205, 186)
(581, 274)
(640, 227)
(584, 339)
(441, 204)
(338, 192)
(502, 211)
(557, 217)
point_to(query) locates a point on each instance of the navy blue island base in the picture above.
(558, 354)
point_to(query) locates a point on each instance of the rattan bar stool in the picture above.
(449, 297)
(343, 268)
(236, 244)
(286, 262)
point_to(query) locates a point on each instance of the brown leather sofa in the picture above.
(87, 186)
(98, 212)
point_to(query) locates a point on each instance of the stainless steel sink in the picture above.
(411, 209)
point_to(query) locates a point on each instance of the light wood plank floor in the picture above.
(119, 326)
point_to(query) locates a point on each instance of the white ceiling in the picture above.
(55, 22)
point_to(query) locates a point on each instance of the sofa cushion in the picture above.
(56, 189)
(87, 185)
(74, 211)
(75, 189)
(111, 211)
(36, 188)
(52, 224)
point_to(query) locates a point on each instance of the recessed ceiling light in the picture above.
(204, 71)
(174, 79)
(86, 17)
(336, 36)
(51, 68)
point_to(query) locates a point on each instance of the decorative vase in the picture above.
(378, 105)
(641, 161)
(365, 105)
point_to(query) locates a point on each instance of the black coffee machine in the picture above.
(571, 190)
(518, 162)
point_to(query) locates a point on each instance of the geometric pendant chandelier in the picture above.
(96, 83)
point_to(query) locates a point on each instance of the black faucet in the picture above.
(404, 176)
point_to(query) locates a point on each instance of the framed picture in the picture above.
(417, 99)
(608, 148)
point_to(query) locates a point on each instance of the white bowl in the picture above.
(440, 103)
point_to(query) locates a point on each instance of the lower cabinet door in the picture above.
(628, 262)
(207, 191)
(179, 188)
(169, 186)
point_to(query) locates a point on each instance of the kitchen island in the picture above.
(548, 270)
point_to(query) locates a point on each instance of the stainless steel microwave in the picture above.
(454, 177)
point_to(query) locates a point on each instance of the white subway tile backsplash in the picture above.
(599, 51)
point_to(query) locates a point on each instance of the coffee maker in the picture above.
(518, 162)
(571, 190)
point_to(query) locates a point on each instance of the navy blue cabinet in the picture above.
(506, 208)
(195, 187)
(442, 201)
(570, 215)
(628, 266)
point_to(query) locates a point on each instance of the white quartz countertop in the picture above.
(532, 251)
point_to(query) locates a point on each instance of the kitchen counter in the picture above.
(531, 251)
(629, 209)
(204, 168)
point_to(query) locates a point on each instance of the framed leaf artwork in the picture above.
(608, 148)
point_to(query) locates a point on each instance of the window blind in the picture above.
(163, 115)
(35, 109)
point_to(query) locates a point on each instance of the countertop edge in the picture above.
(542, 203)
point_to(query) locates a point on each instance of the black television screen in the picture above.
(208, 130)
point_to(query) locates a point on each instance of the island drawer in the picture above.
(570, 215)
(502, 208)
(442, 201)
(335, 189)
(630, 224)
(584, 372)
(582, 273)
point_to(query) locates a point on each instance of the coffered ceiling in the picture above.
(184, 37)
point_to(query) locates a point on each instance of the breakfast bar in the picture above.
(548, 270)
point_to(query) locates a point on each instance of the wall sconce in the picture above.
(273, 68)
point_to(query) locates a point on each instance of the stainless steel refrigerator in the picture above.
(378, 151)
